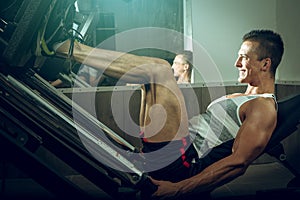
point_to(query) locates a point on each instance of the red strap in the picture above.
(186, 164)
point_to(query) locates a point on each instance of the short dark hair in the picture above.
(270, 46)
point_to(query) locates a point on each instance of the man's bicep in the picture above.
(255, 133)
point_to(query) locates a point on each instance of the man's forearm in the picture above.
(213, 176)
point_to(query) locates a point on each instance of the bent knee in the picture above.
(162, 66)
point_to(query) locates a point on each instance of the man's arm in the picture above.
(250, 142)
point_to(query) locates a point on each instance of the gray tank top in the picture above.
(219, 123)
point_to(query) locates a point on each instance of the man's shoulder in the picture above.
(260, 106)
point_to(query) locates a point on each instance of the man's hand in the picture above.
(165, 190)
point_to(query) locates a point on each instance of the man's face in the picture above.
(248, 64)
(179, 66)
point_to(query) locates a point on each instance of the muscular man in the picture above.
(163, 116)
(258, 58)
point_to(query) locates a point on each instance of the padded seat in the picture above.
(288, 119)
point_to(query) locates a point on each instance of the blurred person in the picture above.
(182, 67)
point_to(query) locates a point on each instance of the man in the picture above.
(182, 67)
(258, 58)
(163, 117)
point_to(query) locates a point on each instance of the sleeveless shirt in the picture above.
(219, 123)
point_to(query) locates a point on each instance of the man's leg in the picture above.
(160, 97)
(138, 69)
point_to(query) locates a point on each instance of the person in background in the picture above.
(182, 67)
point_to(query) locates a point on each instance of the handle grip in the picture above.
(147, 188)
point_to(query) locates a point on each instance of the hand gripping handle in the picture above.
(146, 187)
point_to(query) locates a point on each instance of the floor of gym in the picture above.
(268, 176)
